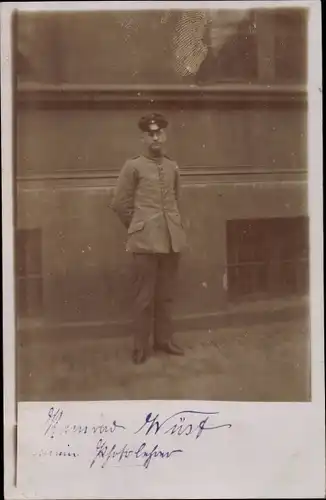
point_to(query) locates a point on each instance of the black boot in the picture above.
(139, 356)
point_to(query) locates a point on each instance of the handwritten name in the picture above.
(186, 424)
(55, 416)
(179, 424)
(142, 453)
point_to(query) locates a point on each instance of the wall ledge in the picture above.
(190, 173)
(91, 95)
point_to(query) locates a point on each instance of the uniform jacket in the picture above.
(146, 201)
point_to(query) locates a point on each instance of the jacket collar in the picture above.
(155, 159)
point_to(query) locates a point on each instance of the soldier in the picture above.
(146, 201)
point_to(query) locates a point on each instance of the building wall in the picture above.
(235, 164)
(239, 138)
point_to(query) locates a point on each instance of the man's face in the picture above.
(154, 140)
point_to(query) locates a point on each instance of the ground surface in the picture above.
(259, 363)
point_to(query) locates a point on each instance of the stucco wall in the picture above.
(238, 162)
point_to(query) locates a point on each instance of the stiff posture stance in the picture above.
(146, 201)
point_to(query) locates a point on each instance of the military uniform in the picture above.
(146, 201)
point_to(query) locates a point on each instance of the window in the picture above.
(267, 257)
(196, 47)
(290, 43)
(29, 273)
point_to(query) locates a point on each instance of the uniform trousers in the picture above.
(154, 285)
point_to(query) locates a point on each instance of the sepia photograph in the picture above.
(161, 222)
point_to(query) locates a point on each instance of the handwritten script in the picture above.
(114, 443)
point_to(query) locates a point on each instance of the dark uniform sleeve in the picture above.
(123, 198)
(177, 185)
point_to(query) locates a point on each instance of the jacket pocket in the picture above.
(136, 226)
